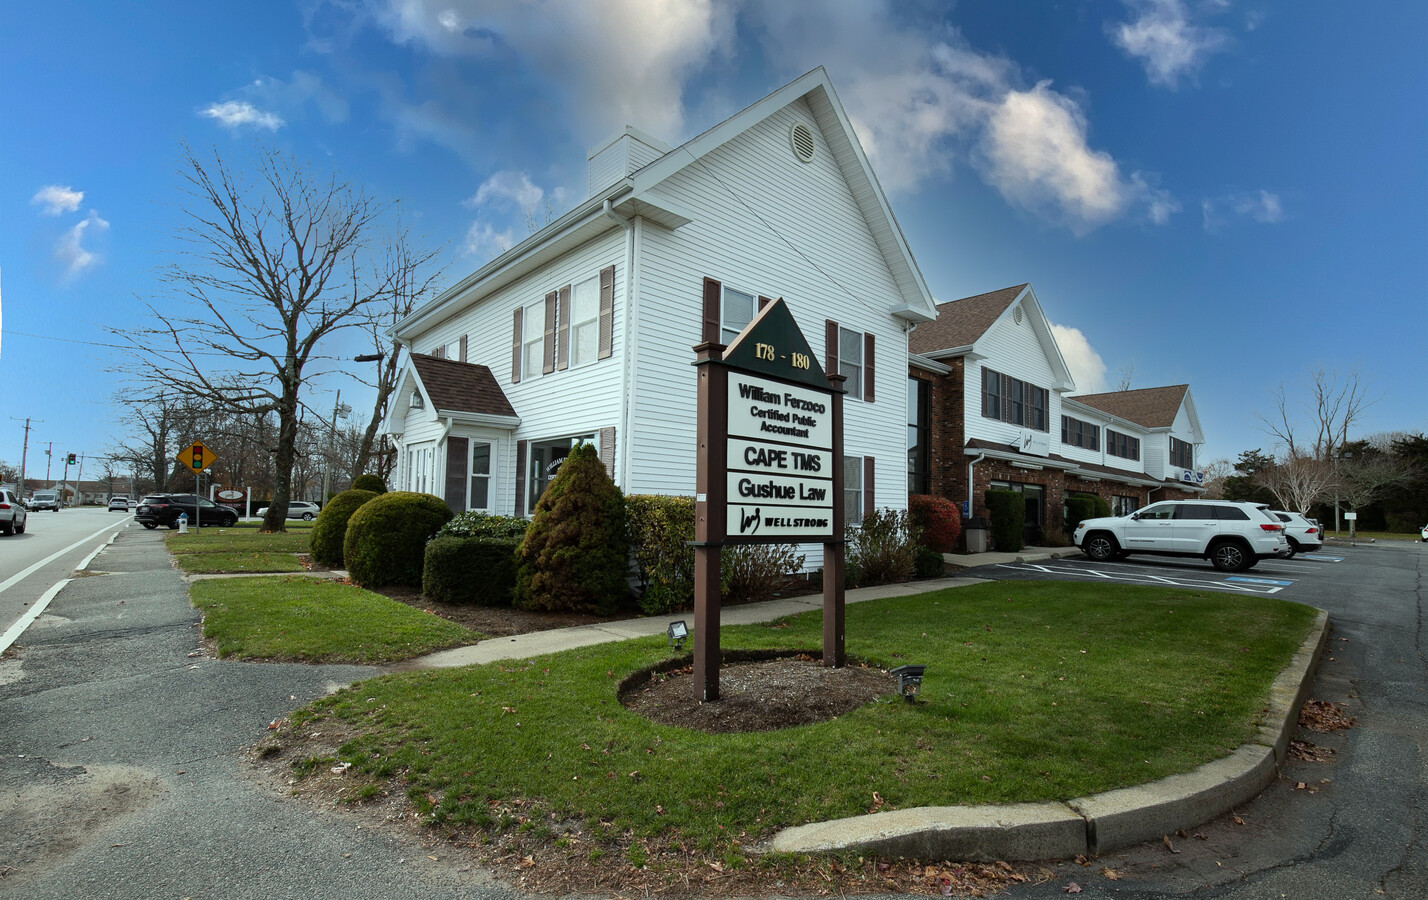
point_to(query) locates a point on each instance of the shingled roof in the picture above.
(461, 387)
(1152, 407)
(960, 323)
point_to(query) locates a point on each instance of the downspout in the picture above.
(627, 396)
(970, 489)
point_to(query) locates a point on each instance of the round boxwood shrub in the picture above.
(387, 535)
(328, 532)
(369, 483)
(575, 555)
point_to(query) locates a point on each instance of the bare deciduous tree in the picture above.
(1299, 482)
(1333, 406)
(273, 265)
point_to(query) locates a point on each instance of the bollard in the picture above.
(183, 523)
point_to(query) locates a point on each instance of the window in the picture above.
(1012, 400)
(419, 468)
(533, 327)
(1122, 506)
(1182, 454)
(1161, 511)
(585, 322)
(850, 360)
(545, 460)
(1122, 445)
(480, 477)
(737, 312)
(919, 437)
(1075, 433)
(852, 489)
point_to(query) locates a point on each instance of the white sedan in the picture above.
(297, 509)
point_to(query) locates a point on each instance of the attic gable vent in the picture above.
(801, 139)
(1016, 315)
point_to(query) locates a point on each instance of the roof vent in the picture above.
(1016, 315)
(801, 140)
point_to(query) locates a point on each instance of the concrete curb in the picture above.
(1088, 825)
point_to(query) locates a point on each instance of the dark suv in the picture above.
(164, 509)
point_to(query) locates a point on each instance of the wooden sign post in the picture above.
(769, 470)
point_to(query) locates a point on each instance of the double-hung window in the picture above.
(585, 322)
(852, 489)
(850, 360)
(480, 477)
(1075, 433)
(1122, 445)
(1012, 400)
(1182, 454)
(533, 336)
(736, 312)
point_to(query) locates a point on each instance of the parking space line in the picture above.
(1240, 579)
(1249, 586)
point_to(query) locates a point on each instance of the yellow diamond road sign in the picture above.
(197, 457)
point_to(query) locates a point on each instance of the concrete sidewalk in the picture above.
(538, 643)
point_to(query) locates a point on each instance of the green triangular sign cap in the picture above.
(773, 345)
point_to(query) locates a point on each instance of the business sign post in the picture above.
(769, 470)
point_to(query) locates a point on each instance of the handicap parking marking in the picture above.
(1314, 557)
(1131, 576)
(1239, 579)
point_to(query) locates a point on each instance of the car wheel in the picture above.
(1293, 548)
(1101, 547)
(20, 529)
(307, 517)
(150, 525)
(1229, 556)
(173, 526)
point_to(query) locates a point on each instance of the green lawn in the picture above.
(236, 540)
(317, 620)
(226, 563)
(1034, 691)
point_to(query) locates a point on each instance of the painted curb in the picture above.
(1087, 825)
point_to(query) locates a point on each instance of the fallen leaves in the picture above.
(1169, 846)
(1324, 717)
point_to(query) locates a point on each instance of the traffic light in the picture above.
(69, 460)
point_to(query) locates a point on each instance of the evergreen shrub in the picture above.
(330, 528)
(485, 525)
(478, 570)
(575, 554)
(1008, 516)
(937, 520)
(660, 531)
(752, 572)
(929, 563)
(369, 483)
(387, 535)
(1079, 509)
(883, 547)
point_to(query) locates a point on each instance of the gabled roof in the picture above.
(638, 195)
(1152, 407)
(458, 387)
(960, 323)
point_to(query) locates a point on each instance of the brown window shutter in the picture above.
(463, 348)
(516, 349)
(521, 478)
(868, 367)
(562, 330)
(830, 341)
(548, 352)
(607, 450)
(457, 460)
(713, 294)
(869, 504)
(764, 301)
(607, 313)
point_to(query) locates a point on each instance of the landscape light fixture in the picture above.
(678, 633)
(909, 681)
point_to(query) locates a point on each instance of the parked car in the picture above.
(1301, 533)
(165, 509)
(45, 500)
(13, 513)
(1424, 533)
(119, 502)
(297, 509)
(1234, 536)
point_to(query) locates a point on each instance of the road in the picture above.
(53, 544)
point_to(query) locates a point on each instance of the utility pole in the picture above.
(49, 457)
(79, 480)
(337, 410)
(24, 452)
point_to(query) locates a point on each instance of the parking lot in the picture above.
(1298, 576)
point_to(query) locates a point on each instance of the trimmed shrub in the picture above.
(883, 547)
(369, 483)
(937, 520)
(752, 572)
(479, 570)
(1008, 515)
(575, 555)
(485, 525)
(928, 563)
(660, 529)
(387, 535)
(330, 528)
(1079, 509)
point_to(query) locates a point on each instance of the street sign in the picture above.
(197, 457)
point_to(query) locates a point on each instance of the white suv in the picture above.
(1232, 535)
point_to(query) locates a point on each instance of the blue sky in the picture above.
(1220, 192)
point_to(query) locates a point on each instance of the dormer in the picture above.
(623, 154)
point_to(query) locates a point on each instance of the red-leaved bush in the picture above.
(939, 520)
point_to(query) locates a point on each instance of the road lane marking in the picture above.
(1252, 586)
(24, 621)
(16, 578)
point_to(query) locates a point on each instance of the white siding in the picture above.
(1014, 350)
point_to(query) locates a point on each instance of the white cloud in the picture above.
(1088, 370)
(508, 190)
(56, 199)
(70, 250)
(485, 242)
(238, 113)
(1164, 39)
(1259, 206)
